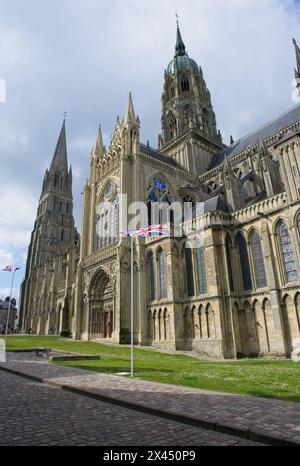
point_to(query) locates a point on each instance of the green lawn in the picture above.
(272, 379)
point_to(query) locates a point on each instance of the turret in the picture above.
(188, 119)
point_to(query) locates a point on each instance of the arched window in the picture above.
(212, 187)
(228, 247)
(210, 322)
(200, 253)
(244, 261)
(153, 277)
(172, 91)
(287, 251)
(163, 275)
(107, 227)
(200, 320)
(189, 272)
(185, 86)
(159, 200)
(258, 260)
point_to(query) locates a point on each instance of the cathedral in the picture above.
(236, 295)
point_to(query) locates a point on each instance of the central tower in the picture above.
(189, 129)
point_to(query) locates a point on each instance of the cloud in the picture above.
(17, 213)
(6, 257)
(5, 292)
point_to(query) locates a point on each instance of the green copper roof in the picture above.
(182, 63)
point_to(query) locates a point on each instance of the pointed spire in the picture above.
(99, 148)
(60, 157)
(130, 116)
(297, 50)
(261, 144)
(180, 47)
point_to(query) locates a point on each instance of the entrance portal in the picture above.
(101, 301)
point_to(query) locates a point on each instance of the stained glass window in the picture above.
(258, 261)
(288, 253)
(244, 261)
(189, 272)
(163, 275)
(201, 270)
(158, 200)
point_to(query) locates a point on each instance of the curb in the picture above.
(247, 434)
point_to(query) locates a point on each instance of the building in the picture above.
(237, 295)
(12, 324)
(47, 290)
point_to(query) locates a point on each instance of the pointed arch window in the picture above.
(228, 247)
(163, 275)
(185, 85)
(159, 200)
(107, 227)
(244, 261)
(258, 260)
(287, 251)
(153, 277)
(189, 272)
(200, 253)
(172, 91)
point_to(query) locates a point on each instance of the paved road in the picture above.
(36, 414)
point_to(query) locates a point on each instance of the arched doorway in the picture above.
(102, 309)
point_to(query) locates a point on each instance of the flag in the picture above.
(9, 268)
(154, 230)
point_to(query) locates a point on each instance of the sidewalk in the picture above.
(273, 422)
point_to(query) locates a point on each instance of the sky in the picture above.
(83, 57)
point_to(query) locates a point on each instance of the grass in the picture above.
(264, 378)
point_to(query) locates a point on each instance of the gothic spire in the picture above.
(297, 50)
(99, 147)
(130, 116)
(180, 47)
(60, 158)
(262, 144)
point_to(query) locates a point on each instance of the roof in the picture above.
(282, 122)
(214, 204)
(147, 150)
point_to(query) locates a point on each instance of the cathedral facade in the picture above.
(237, 294)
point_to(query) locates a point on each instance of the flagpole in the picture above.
(132, 309)
(9, 304)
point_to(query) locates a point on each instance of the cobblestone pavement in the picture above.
(37, 414)
(274, 418)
